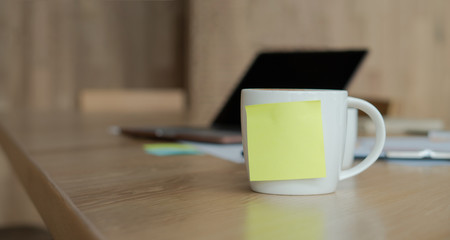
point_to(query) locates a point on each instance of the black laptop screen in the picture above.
(303, 69)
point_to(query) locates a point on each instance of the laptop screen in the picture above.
(302, 69)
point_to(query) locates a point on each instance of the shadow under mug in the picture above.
(334, 105)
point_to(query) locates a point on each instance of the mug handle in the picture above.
(380, 137)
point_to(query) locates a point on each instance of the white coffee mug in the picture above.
(333, 107)
(350, 138)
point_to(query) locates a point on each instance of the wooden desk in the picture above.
(88, 184)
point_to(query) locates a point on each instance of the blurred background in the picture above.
(77, 55)
(53, 51)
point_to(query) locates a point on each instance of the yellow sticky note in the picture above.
(285, 141)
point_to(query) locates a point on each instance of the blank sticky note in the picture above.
(285, 141)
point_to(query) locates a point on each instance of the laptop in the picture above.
(299, 69)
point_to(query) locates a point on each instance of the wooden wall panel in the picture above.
(130, 44)
(409, 47)
(51, 50)
(11, 57)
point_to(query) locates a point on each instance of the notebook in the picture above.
(407, 147)
(298, 69)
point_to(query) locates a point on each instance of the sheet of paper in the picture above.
(230, 152)
(413, 145)
(285, 141)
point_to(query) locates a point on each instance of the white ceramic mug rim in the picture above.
(303, 90)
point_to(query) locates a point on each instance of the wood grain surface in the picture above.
(89, 184)
(52, 50)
